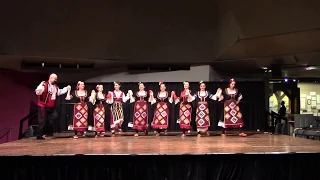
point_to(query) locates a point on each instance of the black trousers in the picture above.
(46, 117)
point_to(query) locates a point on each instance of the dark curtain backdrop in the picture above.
(297, 166)
(252, 104)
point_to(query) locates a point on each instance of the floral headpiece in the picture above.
(231, 80)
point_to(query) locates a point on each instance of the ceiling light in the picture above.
(310, 68)
(275, 82)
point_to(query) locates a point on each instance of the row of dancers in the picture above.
(47, 92)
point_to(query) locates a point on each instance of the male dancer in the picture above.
(47, 92)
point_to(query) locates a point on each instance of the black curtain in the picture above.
(163, 167)
(252, 106)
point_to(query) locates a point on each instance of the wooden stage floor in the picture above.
(171, 144)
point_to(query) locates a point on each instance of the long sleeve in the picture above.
(152, 99)
(177, 100)
(130, 96)
(132, 99)
(212, 96)
(62, 91)
(39, 89)
(92, 100)
(125, 98)
(240, 97)
(191, 98)
(221, 94)
(109, 98)
(173, 98)
(92, 97)
(69, 96)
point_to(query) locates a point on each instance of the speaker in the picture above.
(31, 131)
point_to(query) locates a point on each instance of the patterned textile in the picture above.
(80, 117)
(99, 118)
(160, 118)
(116, 113)
(232, 115)
(140, 116)
(185, 115)
(202, 116)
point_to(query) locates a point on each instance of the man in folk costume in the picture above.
(47, 92)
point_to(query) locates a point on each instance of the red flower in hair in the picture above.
(231, 80)
(160, 83)
(97, 86)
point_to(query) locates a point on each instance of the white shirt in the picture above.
(51, 88)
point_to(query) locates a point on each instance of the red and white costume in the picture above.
(115, 99)
(47, 95)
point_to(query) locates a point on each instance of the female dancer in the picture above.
(185, 108)
(116, 98)
(202, 113)
(80, 109)
(161, 113)
(140, 112)
(232, 117)
(99, 111)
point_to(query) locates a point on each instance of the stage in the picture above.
(257, 156)
(170, 144)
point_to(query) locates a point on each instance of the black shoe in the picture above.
(40, 138)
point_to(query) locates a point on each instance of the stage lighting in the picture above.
(286, 80)
(294, 80)
(309, 68)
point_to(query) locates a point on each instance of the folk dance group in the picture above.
(48, 91)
